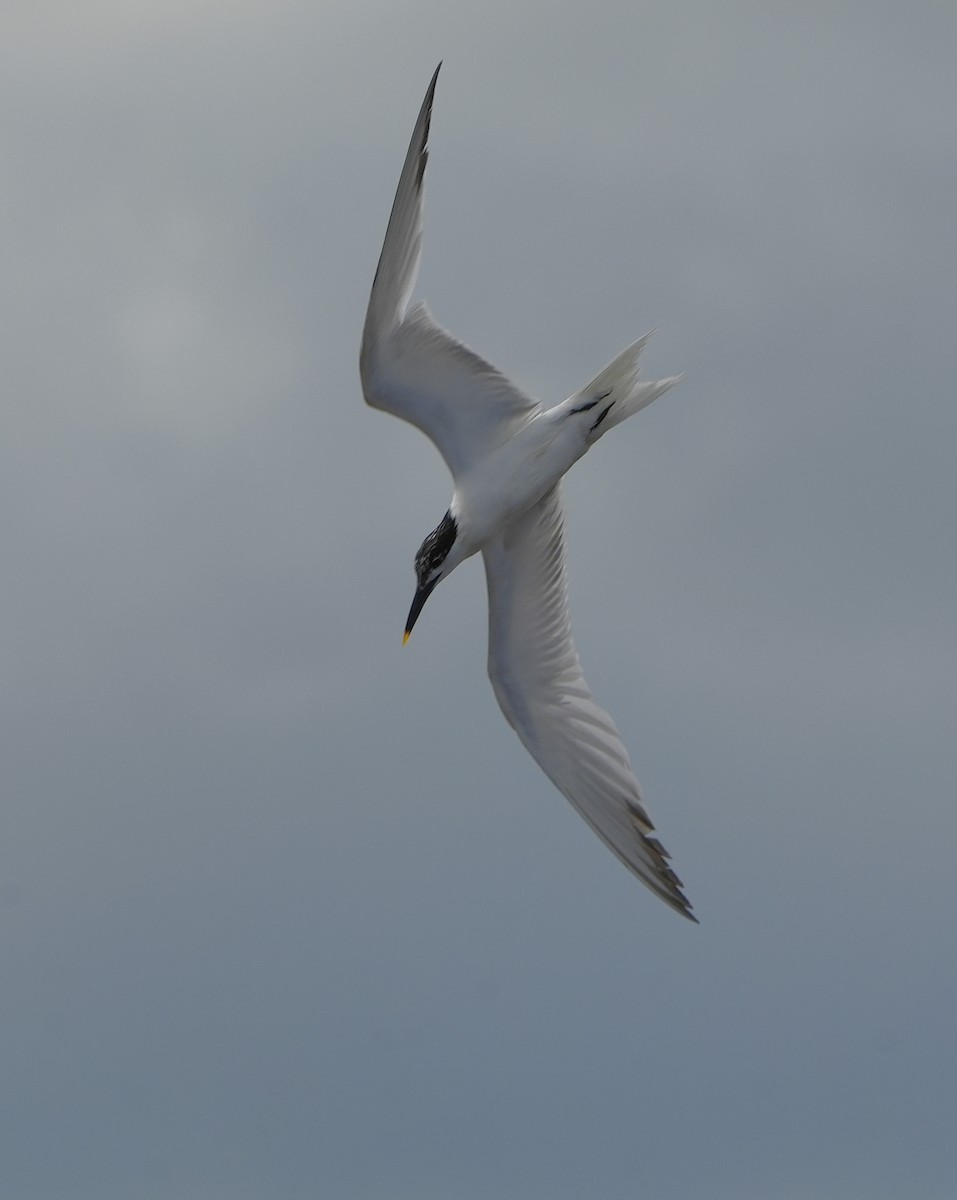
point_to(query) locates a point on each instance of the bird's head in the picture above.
(434, 560)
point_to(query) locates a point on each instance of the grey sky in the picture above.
(285, 909)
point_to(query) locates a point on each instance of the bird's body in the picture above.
(515, 475)
(508, 454)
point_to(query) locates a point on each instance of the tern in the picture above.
(507, 455)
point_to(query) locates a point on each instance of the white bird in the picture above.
(507, 454)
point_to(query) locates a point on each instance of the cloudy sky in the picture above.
(285, 909)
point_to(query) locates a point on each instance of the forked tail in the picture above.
(615, 393)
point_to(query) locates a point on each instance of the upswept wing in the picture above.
(409, 365)
(538, 681)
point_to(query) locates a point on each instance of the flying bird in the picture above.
(507, 454)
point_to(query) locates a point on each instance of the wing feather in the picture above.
(409, 365)
(537, 678)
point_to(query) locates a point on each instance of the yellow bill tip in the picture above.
(406, 636)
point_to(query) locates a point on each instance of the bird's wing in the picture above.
(411, 367)
(538, 681)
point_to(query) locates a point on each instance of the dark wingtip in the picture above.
(427, 106)
(678, 900)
